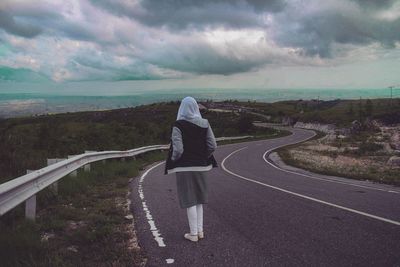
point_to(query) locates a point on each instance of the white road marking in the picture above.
(170, 261)
(318, 178)
(303, 196)
(153, 228)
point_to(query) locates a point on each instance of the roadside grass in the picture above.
(83, 225)
(284, 152)
(372, 173)
(285, 149)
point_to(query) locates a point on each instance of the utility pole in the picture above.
(391, 94)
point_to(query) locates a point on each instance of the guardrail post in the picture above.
(74, 173)
(86, 168)
(30, 205)
(54, 186)
(30, 208)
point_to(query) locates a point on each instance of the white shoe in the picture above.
(193, 238)
(201, 235)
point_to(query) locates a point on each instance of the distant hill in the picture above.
(339, 112)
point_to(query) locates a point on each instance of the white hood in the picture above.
(189, 111)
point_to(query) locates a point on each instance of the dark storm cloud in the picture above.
(201, 58)
(106, 68)
(50, 20)
(10, 25)
(316, 33)
(259, 5)
(179, 15)
(18, 74)
(375, 3)
(75, 31)
(199, 18)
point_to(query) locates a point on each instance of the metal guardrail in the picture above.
(25, 188)
(18, 190)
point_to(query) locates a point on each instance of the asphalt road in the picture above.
(259, 215)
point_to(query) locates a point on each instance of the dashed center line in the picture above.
(170, 261)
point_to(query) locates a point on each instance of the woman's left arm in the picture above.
(211, 142)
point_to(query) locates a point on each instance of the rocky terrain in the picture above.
(372, 154)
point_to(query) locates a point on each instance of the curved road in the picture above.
(260, 215)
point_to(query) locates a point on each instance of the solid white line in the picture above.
(318, 178)
(146, 210)
(303, 196)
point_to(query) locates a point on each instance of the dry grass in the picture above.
(362, 157)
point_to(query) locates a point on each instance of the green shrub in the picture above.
(245, 124)
(368, 147)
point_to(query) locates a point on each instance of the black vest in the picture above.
(194, 147)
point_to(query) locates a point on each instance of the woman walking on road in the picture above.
(190, 157)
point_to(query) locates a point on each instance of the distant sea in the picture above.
(26, 104)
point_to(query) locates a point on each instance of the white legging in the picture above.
(195, 217)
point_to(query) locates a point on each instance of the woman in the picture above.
(190, 156)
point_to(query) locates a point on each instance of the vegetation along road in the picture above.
(260, 215)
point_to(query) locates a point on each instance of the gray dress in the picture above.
(192, 188)
(192, 185)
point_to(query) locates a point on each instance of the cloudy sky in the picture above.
(193, 43)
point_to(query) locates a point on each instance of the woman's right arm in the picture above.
(177, 144)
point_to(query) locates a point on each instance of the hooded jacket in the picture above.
(192, 141)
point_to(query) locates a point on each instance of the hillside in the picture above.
(26, 143)
(339, 112)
